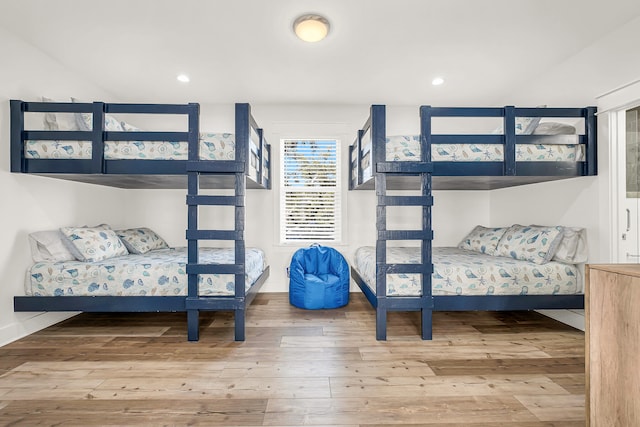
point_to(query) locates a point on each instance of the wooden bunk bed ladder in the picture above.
(195, 168)
(422, 171)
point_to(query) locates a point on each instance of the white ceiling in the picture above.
(378, 51)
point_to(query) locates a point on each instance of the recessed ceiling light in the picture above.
(311, 28)
(437, 81)
(183, 78)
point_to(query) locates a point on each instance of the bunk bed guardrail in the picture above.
(252, 150)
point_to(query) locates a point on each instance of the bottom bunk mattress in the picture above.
(463, 272)
(160, 272)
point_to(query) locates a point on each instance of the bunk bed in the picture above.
(87, 142)
(515, 154)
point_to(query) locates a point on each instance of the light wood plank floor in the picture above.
(297, 367)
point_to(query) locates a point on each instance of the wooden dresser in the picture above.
(613, 345)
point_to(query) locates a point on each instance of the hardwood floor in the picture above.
(297, 367)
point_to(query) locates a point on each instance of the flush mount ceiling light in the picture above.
(437, 81)
(311, 27)
(183, 78)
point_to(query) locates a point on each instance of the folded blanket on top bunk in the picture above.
(516, 260)
(160, 272)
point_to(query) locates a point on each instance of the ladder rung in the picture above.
(215, 166)
(405, 201)
(404, 167)
(215, 200)
(405, 235)
(214, 235)
(407, 268)
(228, 302)
(215, 268)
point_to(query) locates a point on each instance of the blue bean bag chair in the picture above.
(318, 278)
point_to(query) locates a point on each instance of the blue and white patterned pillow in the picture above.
(141, 240)
(482, 239)
(532, 243)
(92, 244)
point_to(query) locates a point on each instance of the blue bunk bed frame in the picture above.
(193, 173)
(426, 176)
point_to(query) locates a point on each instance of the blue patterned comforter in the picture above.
(157, 273)
(463, 272)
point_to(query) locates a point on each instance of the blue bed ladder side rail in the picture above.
(195, 169)
(422, 170)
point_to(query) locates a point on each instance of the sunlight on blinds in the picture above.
(309, 197)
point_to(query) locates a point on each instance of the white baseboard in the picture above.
(574, 318)
(29, 325)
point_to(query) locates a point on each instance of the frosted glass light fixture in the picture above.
(311, 28)
(183, 78)
(437, 81)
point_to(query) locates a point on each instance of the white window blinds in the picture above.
(310, 191)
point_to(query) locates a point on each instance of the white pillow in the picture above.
(59, 121)
(554, 128)
(524, 125)
(48, 246)
(573, 246)
(84, 121)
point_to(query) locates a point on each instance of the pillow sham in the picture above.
(554, 128)
(90, 244)
(573, 246)
(127, 127)
(48, 246)
(59, 121)
(534, 243)
(482, 239)
(141, 240)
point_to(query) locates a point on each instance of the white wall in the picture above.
(31, 203)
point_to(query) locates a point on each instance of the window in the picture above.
(310, 191)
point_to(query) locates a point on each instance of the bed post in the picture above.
(509, 141)
(378, 135)
(193, 185)
(17, 129)
(97, 137)
(426, 244)
(243, 155)
(590, 127)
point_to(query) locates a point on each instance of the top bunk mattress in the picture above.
(463, 272)
(407, 148)
(213, 146)
(160, 272)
